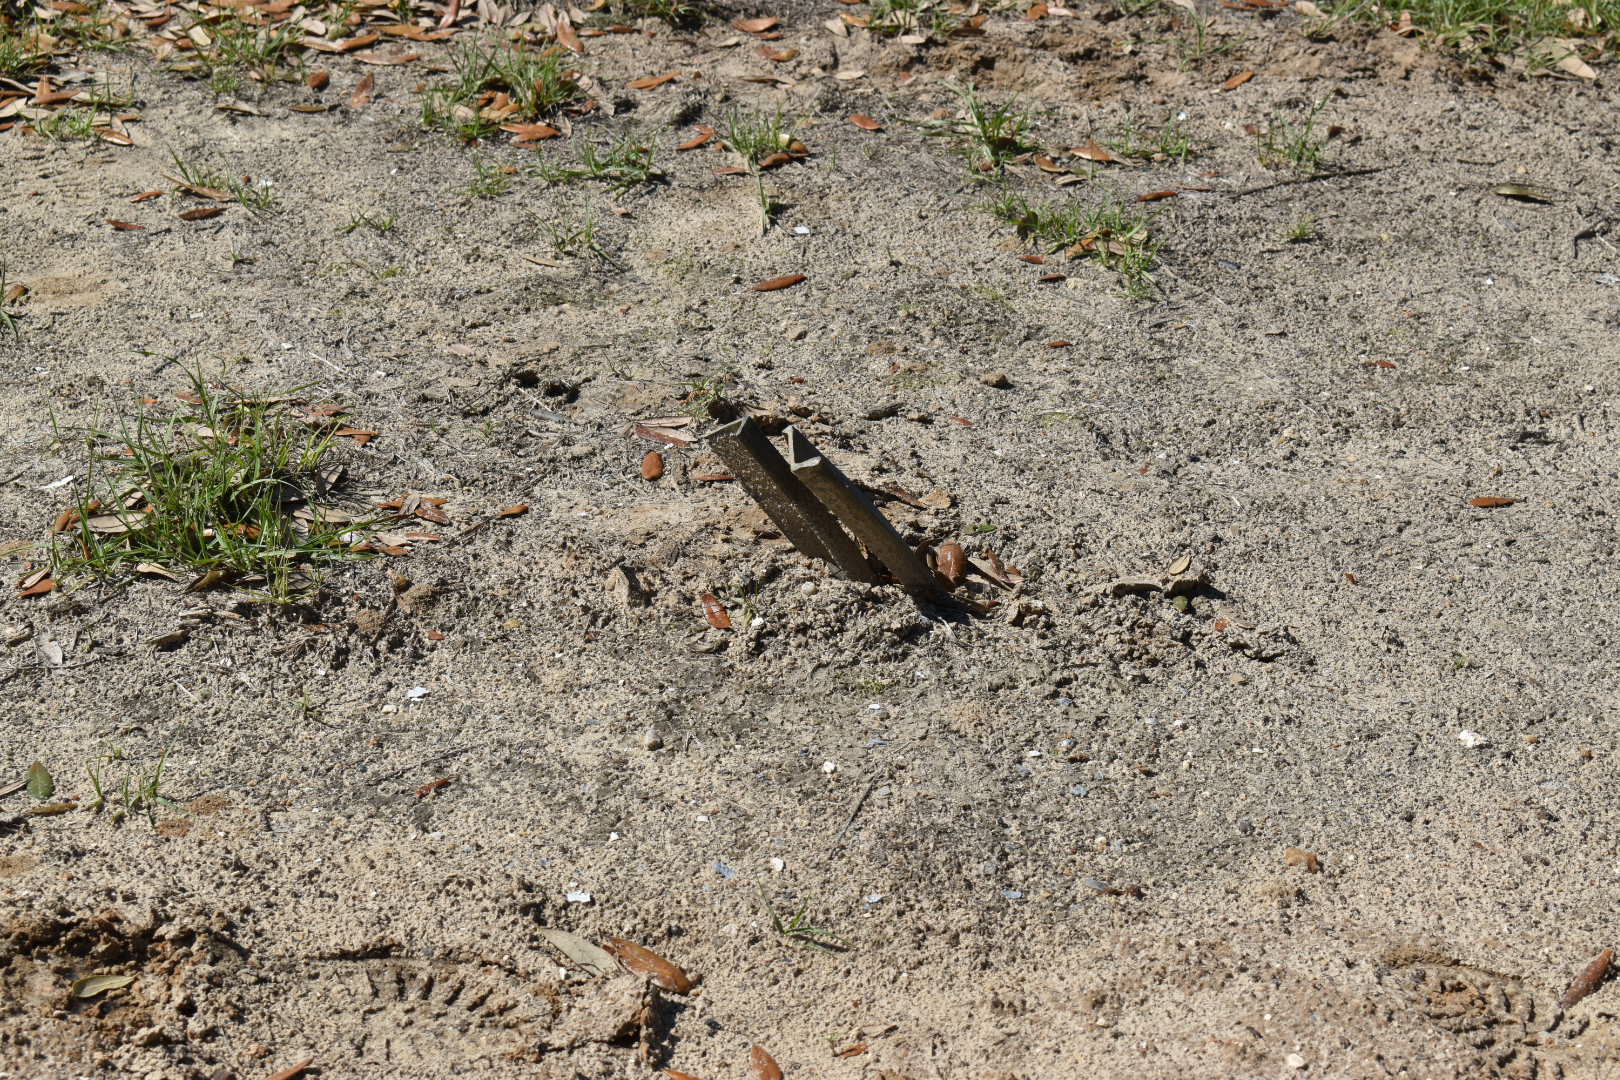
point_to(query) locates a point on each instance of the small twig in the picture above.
(434, 760)
(854, 810)
(1313, 178)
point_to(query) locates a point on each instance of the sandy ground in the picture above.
(1053, 840)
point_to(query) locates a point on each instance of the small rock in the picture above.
(795, 331)
(578, 896)
(1237, 678)
(1097, 885)
(651, 740)
(16, 634)
(997, 379)
(1472, 739)
(1294, 1061)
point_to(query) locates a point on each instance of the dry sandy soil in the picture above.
(1053, 840)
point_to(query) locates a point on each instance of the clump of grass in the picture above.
(489, 179)
(572, 237)
(538, 83)
(255, 197)
(21, 54)
(264, 53)
(929, 17)
(797, 929)
(1490, 29)
(1295, 146)
(622, 165)
(1166, 143)
(1117, 236)
(378, 223)
(682, 14)
(139, 791)
(754, 137)
(1302, 231)
(991, 135)
(706, 394)
(224, 489)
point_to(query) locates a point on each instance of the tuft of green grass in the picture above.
(1302, 231)
(1491, 29)
(705, 394)
(572, 237)
(489, 180)
(1166, 143)
(622, 165)
(377, 223)
(991, 135)
(1204, 43)
(21, 54)
(1295, 146)
(137, 791)
(225, 489)
(797, 929)
(927, 17)
(255, 197)
(1115, 235)
(263, 53)
(753, 137)
(538, 83)
(681, 14)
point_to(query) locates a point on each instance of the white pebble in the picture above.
(1471, 739)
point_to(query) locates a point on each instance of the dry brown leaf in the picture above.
(676, 1074)
(1237, 80)
(360, 436)
(432, 786)
(378, 58)
(952, 563)
(202, 213)
(433, 514)
(652, 465)
(1047, 279)
(359, 41)
(649, 82)
(775, 283)
(714, 611)
(1036, 11)
(865, 123)
(704, 134)
(528, 133)
(761, 1065)
(1038, 260)
(124, 226)
(514, 511)
(1306, 859)
(775, 160)
(567, 37)
(39, 587)
(1092, 152)
(1590, 978)
(1046, 164)
(114, 136)
(143, 196)
(777, 56)
(362, 92)
(1491, 502)
(643, 961)
(756, 26)
(1155, 196)
(1059, 343)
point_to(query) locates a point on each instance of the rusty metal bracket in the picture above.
(785, 499)
(859, 516)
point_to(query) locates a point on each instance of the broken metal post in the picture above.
(858, 514)
(804, 521)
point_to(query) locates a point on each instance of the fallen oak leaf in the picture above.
(201, 213)
(1155, 196)
(362, 92)
(143, 196)
(124, 226)
(762, 1065)
(704, 134)
(1590, 978)
(643, 961)
(715, 612)
(650, 82)
(514, 511)
(1237, 80)
(865, 123)
(756, 26)
(1491, 502)
(773, 284)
